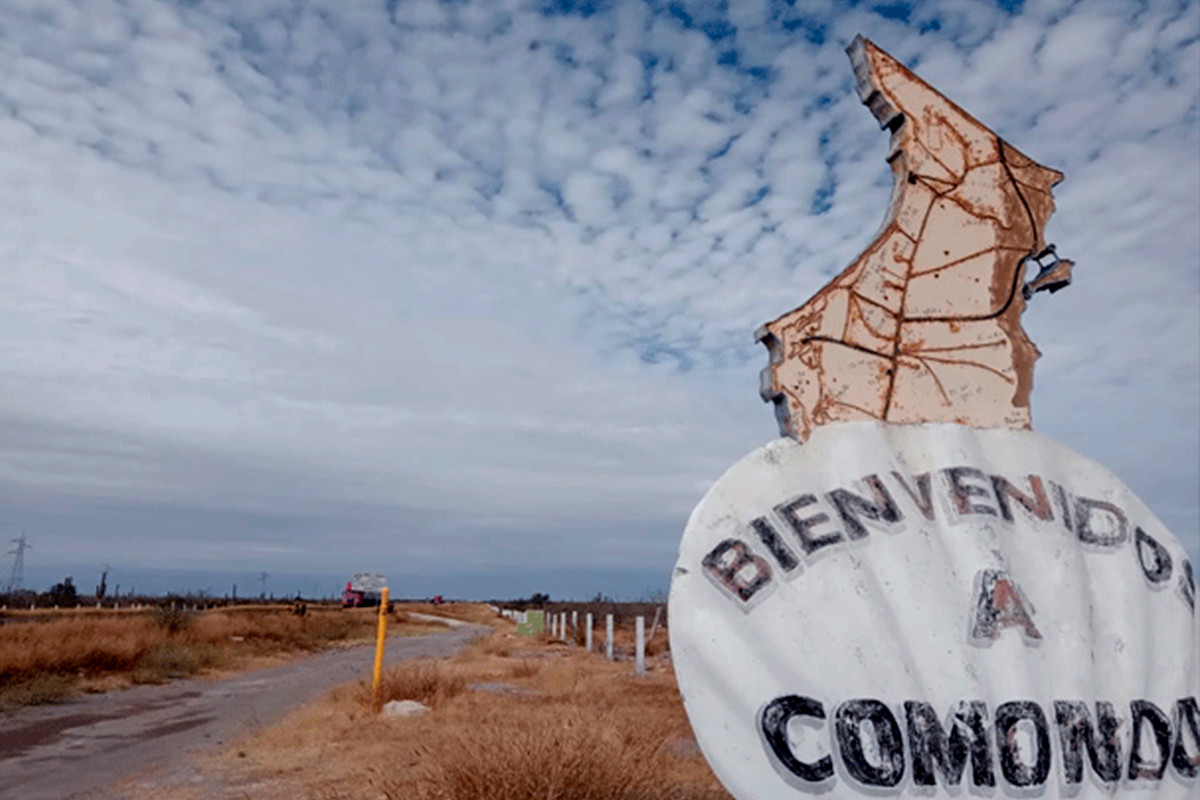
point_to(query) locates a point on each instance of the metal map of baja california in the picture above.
(925, 325)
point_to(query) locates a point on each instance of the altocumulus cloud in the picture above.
(469, 287)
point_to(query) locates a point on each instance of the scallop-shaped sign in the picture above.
(932, 610)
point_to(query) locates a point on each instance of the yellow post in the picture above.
(380, 638)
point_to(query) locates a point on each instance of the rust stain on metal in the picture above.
(925, 325)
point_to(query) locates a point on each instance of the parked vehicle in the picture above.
(364, 590)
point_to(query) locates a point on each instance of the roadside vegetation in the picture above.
(46, 657)
(510, 718)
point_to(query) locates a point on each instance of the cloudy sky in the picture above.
(465, 292)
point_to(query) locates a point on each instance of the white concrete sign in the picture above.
(928, 610)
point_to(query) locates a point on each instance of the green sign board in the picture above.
(530, 623)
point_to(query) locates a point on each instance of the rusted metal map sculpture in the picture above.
(925, 325)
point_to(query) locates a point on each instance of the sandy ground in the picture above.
(161, 741)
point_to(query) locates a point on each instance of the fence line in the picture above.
(564, 627)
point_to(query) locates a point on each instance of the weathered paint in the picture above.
(928, 610)
(924, 326)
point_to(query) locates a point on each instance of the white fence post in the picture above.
(640, 661)
(563, 628)
(574, 621)
(608, 630)
(589, 631)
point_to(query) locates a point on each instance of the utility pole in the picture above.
(262, 577)
(18, 570)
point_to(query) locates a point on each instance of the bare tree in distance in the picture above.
(102, 589)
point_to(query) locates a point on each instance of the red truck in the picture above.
(364, 590)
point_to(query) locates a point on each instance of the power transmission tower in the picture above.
(262, 577)
(18, 570)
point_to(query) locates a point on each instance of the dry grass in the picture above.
(524, 669)
(49, 659)
(427, 682)
(494, 646)
(556, 750)
(511, 719)
(475, 613)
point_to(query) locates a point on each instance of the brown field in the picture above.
(45, 657)
(511, 718)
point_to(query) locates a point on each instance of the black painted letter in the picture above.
(809, 543)
(854, 508)
(1139, 768)
(1103, 745)
(729, 571)
(770, 539)
(774, 726)
(889, 744)
(1187, 584)
(961, 493)
(1001, 604)
(1037, 505)
(922, 498)
(1154, 558)
(1086, 510)
(935, 753)
(1187, 721)
(1016, 770)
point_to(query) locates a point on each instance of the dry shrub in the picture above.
(524, 669)
(496, 645)
(36, 691)
(172, 660)
(330, 627)
(553, 751)
(172, 619)
(427, 682)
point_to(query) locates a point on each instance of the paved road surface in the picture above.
(79, 748)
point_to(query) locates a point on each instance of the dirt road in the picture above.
(80, 749)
